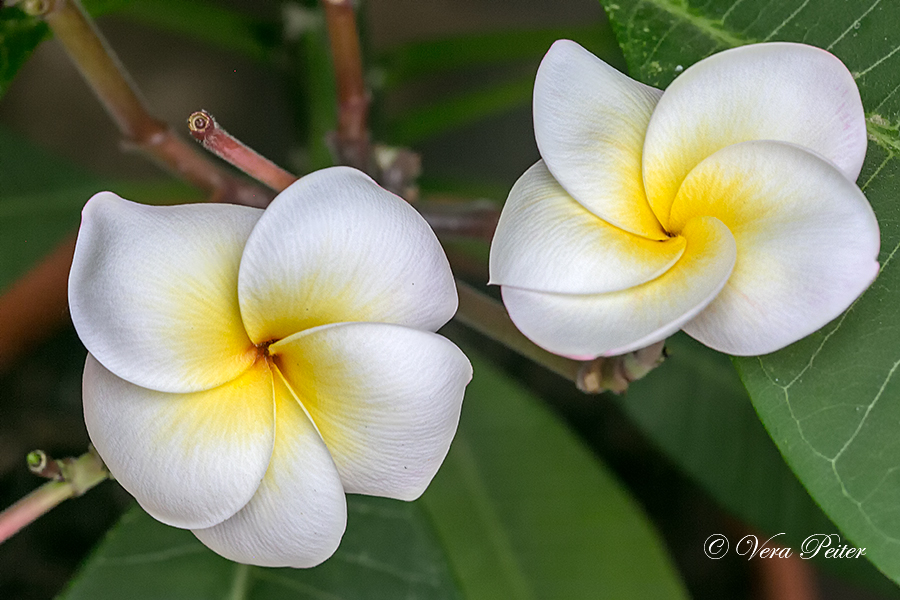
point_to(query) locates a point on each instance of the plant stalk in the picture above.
(211, 136)
(352, 137)
(112, 85)
(72, 477)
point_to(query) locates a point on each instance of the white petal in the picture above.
(336, 247)
(298, 515)
(385, 398)
(589, 123)
(807, 243)
(592, 325)
(545, 241)
(153, 291)
(779, 91)
(190, 460)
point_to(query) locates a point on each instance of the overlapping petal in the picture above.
(546, 241)
(153, 291)
(589, 123)
(385, 398)
(191, 309)
(298, 514)
(619, 322)
(777, 91)
(807, 244)
(757, 147)
(191, 460)
(335, 247)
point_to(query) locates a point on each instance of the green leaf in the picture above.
(831, 402)
(525, 511)
(521, 510)
(697, 412)
(19, 36)
(388, 552)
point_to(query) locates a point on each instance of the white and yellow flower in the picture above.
(248, 368)
(725, 206)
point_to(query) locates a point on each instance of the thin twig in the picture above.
(75, 477)
(224, 145)
(352, 137)
(105, 75)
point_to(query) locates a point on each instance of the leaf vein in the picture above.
(364, 560)
(731, 8)
(853, 25)
(790, 18)
(712, 28)
(154, 557)
(876, 63)
(296, 586)
(865, 416)
(659, 42)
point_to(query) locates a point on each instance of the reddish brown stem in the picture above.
(35, 306)
(218, 141)
(352, 136)
(104, 73)
(777, 578)
(790, 578)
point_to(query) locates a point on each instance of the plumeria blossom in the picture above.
(249, 368)
(725, 206)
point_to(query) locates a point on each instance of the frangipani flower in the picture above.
(725, 206)
(248, 368)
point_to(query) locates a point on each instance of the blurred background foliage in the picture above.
(547, 493)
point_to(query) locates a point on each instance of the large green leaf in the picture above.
(698, 413)
(388, 552)
(525, 511)
(830, 402)
(521, 510)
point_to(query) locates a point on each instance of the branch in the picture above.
(71, 477)
(351, 141)
(105, 75)
(224, 145)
